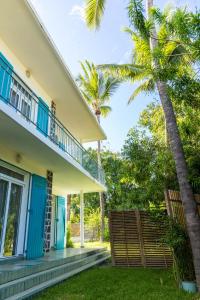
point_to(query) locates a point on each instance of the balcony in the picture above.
(15, 93)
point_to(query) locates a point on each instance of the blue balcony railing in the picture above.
(25, 102)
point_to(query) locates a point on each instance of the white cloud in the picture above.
(125, 57)
(78, 10)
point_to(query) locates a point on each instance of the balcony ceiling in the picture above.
(26, 37)
(17, 136)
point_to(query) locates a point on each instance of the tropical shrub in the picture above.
(69, 243)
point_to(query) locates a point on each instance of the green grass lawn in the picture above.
(94, 245)
(107, 282)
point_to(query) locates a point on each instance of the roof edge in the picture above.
(62, 62)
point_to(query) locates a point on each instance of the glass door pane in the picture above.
(3, 200)
(12, 225)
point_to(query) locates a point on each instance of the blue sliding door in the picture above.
(60, 224)
(43, 117)
(6, 70)
(35, 239)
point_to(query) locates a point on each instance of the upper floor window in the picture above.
(20, 99)
(14, 98)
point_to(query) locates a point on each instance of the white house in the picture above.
(43, 123)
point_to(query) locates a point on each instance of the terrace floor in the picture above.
(20, 278)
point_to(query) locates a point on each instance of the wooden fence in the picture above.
(175, 206)
(135, 240)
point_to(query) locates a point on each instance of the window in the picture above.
(11, 173)
(25, 108)
(14, 98)
(14, 94)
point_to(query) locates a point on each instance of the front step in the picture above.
(21, 268)
(24, 287)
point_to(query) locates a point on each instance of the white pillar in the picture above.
(82, 218)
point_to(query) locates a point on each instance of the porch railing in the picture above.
(25, 102)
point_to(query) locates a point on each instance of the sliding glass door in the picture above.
(10, 205)
(3, 200)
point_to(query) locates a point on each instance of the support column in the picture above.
(82, 218)
(48, 213)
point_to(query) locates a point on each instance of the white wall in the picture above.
(20, 69)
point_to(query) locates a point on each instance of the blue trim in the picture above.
(60, 223)
(43, 117)
(4, 62)
(35, 238)
(6, 70)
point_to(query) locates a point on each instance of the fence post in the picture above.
(111, 239)
(168, 203)
(139, 227)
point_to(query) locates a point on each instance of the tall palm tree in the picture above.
(157, 58)
(97, 90)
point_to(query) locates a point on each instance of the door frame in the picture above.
(23, 206)
(56, 223)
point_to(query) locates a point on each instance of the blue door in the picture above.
(43, 117)
(60, 224)
(35, 238)
(6, 70)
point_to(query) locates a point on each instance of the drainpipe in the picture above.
(82, 218)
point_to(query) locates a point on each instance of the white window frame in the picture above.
(24, 203)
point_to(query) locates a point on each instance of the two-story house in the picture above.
(43, 123)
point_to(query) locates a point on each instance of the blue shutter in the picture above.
(5, 78)
(60, 225)
(43, 117)
(35, 238)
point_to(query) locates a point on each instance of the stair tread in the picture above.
(10, 272)
(46, 284)
(33, 275)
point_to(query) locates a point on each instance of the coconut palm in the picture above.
(157, 58)
(97, 90)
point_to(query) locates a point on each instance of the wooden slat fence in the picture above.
(175, 206)
(135, 240)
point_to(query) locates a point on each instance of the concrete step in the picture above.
(21, 268)
(24, 287)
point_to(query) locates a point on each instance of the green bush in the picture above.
(93, 221)
(106, 230)
(177, 239)
(69, 243)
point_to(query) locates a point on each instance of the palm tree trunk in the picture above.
(101, 197)
(189, 204)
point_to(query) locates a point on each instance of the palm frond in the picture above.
(84, 69)
(105, 110)
(128, 30)
(86, 97)
(174, 52)
(110, 87)
(94, 10)
(125, 72)
(136, 16)
(147, 87)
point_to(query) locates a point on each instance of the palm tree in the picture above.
(97, 90)
(157, 58)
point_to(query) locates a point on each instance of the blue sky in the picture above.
(64, 21)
